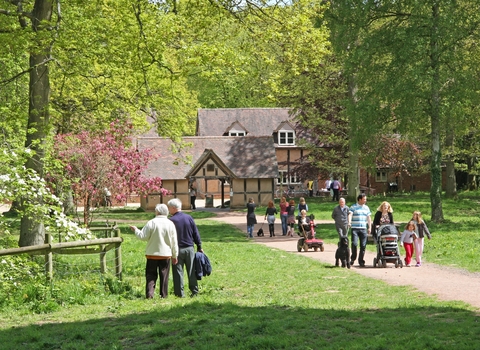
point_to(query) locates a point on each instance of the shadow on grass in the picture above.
(202, 325)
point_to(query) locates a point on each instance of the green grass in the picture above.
(256, 298)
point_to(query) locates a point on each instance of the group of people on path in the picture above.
(287, 215)
(358, 218)
(170, 239)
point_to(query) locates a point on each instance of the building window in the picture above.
(286, 138)
(283, 178)
(236, 133)
(381, 176)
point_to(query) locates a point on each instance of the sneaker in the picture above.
(351, 263)
(362, 264)
(408, 265)
(418, 265)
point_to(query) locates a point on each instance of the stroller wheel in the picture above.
(384, 263)
(396, 264)
(374, 262)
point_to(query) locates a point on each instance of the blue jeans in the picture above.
(359, 234)
(284, 217)
(250, 230)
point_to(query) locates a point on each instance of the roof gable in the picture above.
(235, 126)
(210, 165)
(286, 125)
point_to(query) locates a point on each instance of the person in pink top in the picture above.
(284, 215)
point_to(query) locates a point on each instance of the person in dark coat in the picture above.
(187, 237)
(251, 217)
(383, 216)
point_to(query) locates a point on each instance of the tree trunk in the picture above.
(353, 176)
(32, 232)
(353, 158)
(68, 203)
(451, 190)
(435, 165)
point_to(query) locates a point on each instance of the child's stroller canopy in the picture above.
(389, 229)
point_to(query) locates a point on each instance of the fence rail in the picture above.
(76, 247)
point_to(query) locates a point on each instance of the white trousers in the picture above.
(418, 250)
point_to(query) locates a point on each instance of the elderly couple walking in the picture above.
(170, 239)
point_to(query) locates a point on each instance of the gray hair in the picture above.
(161, 209)
(175, 203)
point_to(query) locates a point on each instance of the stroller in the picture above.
(308, 240)
(387, 246)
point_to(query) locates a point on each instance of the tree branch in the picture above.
(18, 75)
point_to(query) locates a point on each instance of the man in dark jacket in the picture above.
(340, 215)
(187, 236)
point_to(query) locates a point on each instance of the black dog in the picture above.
(260, 232)
(343, 253)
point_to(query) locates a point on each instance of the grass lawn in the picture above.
(256, 298)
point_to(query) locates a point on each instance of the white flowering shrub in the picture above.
(20, 183)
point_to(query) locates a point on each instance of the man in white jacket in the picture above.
(161, 237)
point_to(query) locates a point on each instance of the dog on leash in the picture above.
(260, 232)
(343, 253)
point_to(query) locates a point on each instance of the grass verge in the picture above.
(256, 298)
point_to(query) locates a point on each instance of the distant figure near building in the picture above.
(108, 197)
(193, 197)
(310, 188)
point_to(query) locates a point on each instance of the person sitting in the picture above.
(304, 225)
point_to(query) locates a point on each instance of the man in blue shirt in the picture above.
(187, 236)
(359, 218)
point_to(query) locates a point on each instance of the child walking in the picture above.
(406, 240)
(421, 230)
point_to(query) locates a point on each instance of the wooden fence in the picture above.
(100, 246)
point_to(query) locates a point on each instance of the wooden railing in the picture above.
(103, 245)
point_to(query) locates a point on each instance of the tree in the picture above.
(106, 159)
(392, 152)
(406, 60)
(84, 70)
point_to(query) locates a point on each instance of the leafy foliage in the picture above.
(393, 153)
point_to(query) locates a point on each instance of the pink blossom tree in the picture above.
(94, 161)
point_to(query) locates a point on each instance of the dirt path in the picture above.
(445, 282)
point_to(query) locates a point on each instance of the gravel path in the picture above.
(446, 283)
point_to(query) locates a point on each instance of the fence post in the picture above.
(103, 259)
(118, 255)
(48, 258)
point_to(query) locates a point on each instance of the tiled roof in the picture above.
(258, 121)
(246, 157)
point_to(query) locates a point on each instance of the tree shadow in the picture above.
(209, 325)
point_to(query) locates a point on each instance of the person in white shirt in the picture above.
(162, 246)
